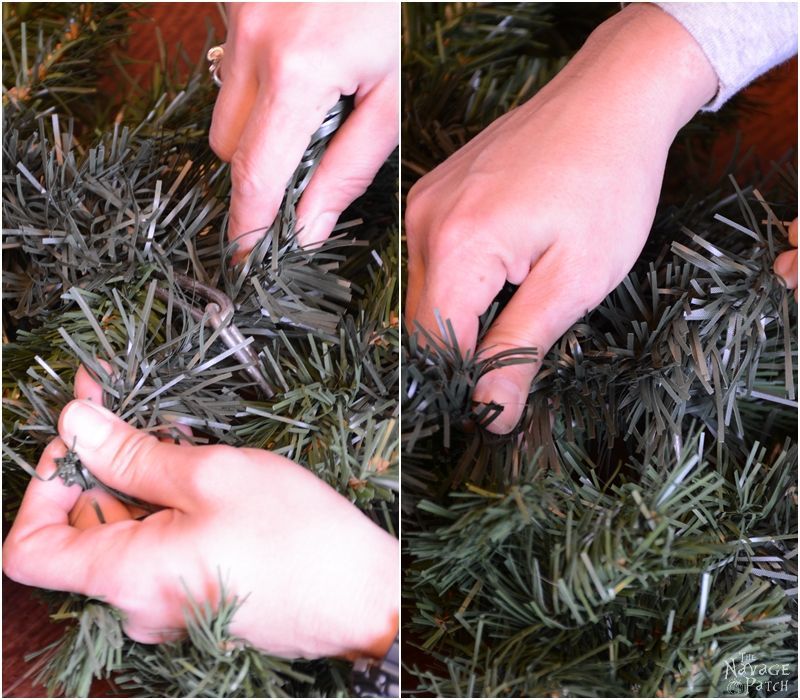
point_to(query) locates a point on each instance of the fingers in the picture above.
(786, 267)
(41, 548)
(786, 262)
(262, 125)
(350, 162)
(549, 301)
(126, 459)
(278, 130)
(460, 304)
(416, 266)
(86, 387)
(96, 507)
(234, 102)
(459, 285)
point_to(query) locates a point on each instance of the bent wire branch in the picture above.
(218, 314)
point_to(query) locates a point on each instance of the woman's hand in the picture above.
(285, 66)
(557, 196)
(317, 577)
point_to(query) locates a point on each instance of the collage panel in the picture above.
(201, 349)
(599, 401)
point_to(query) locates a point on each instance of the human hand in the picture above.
(786, 262)
(285, 66)
(98, 505)
(318, 578)
(557, 196)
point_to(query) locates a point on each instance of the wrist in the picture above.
(642, 64)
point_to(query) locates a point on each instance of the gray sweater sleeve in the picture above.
(741, 40)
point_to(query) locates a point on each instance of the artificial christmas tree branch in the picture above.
(104, 226)
(693, 440)
(635, 535)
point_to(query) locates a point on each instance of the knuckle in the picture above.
(440, 237)
(247, 175)
(512, 338)
(14, 560)
(219, 142)
(412, 228)
(248, 29)
(415, 208)
(453, 234)
(290, 68)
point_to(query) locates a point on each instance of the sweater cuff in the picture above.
(742, 40)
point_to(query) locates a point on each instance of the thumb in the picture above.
(126, 459)
(544, 307)
(350, 163)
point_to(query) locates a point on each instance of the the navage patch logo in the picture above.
(745, 672)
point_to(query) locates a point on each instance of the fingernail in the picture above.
(317, 229)
(504, 392)
(86, 424)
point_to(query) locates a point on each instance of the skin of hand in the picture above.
(556, 196)
(84, 513)
(318, 578)
(786, 262)
(285, 66)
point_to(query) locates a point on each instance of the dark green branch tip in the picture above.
(72, 472)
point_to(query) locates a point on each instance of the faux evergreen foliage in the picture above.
(103, 225)
(635, 536)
